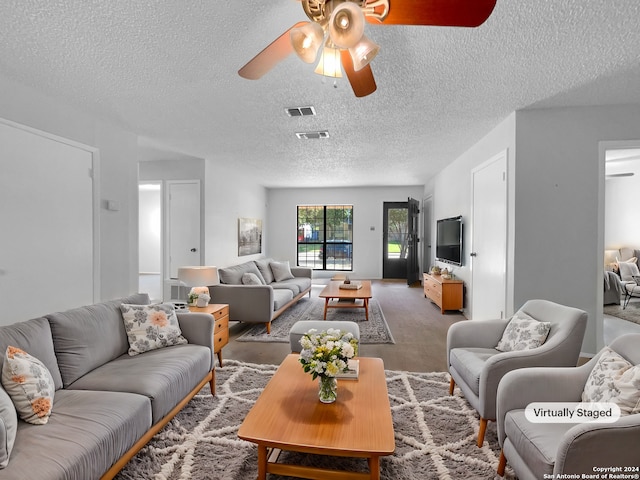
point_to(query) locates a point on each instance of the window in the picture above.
(325, 237)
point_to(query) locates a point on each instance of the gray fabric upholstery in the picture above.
(86, 337)
(233, 275)
(34, 337)
(469, 363)
(165, 375)
(300, 328)
(197, 328)
(535, 449)
(613, 289)
(562, 348)
(264, 265)
(259, 303)
(86, 432)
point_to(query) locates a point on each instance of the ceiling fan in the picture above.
(336, 33)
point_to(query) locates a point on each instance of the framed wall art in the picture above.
(249, 236)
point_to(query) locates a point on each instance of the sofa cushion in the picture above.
(469, 362)
(29, 384)
(250, 279)
(288, 285)
(87, 337)
(614, 379)
(233, 275)
(265, 269)
(150, 327)
(281, 297)
(8, 427)
(85, 434)
(165, 375)
(523, 333)
(281, 271)
(33, 336)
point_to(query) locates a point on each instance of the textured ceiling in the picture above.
(167, 71)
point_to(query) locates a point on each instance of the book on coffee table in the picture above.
(352, 371)
(351, 286)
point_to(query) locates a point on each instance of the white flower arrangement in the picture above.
(327, 353)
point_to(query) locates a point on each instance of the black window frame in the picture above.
(324, 240)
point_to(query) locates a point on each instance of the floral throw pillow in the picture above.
(614, 379)
(150, 327)
(29, 384)
(523, 333)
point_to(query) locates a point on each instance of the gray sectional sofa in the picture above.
(107, 403)
(259, 291)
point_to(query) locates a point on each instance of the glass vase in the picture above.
(328, 389)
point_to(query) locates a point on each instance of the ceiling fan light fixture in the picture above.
(363, 52)
(346, 25)
(307, 40)
(329, 64)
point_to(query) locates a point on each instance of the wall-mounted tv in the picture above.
(449, 240)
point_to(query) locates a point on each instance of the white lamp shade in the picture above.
(329, 64)
(198, 276)
(306, 41)
(363, 52)
(346, 25)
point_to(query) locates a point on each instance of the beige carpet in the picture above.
(631, 313)
(435, 434)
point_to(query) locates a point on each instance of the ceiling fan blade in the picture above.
(445, 13)
(268, 58)
(362, 81)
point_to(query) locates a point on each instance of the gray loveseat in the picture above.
(107, 404)
(259, 291)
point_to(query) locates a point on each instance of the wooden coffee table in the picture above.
(289, 416)
(336, 297)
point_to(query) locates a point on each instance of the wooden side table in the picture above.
(220, 313)
(447, 294)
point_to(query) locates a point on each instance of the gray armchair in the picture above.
(477, 367)
(540, 450)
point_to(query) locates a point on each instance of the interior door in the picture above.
(395, 239)
(47, 207)
(183, 226)
(489, 243)
(413, 263)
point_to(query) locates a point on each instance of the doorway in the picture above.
(400, 240)
(150, 239)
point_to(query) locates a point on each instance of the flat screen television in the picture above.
(449, 240)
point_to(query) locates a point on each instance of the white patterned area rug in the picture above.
(374, 330)
(435, 434)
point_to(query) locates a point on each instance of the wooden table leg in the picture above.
(366, 308)
(220, 357)
(374, 468)
(326, 303)
(262, 462)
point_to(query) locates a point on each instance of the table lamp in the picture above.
(199, 278)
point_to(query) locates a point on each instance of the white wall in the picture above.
(229, 196)
(559, 205)
(451, 190)
(281, 226)
(150, 231)
(118, 164)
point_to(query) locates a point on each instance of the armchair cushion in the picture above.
(614, 379)
(469, 363)
(523, 333)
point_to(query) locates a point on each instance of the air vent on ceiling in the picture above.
(312, 135)
(300, 111)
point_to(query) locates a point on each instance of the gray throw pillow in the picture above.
(281, 271)
(265, 270)
(250, 279)
(8, 427)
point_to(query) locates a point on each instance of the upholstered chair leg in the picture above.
(481, 431)
(502, 463)
(452, 385)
